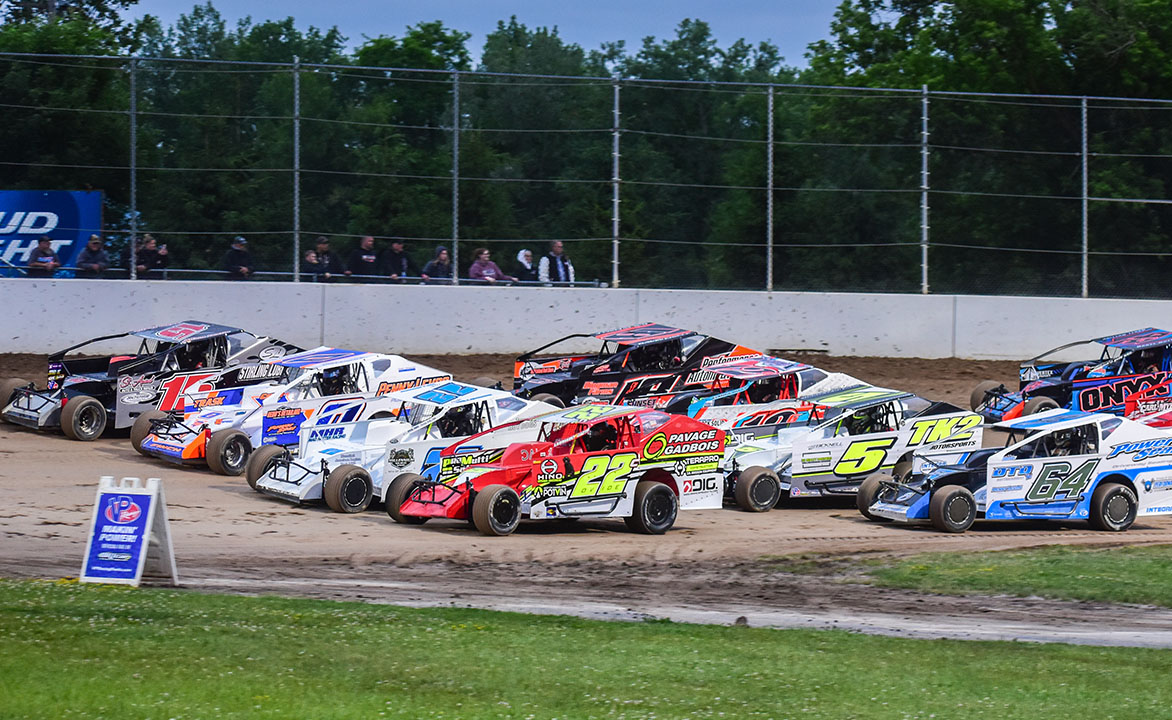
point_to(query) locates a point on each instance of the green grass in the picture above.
(92, 651)
(1122, 575)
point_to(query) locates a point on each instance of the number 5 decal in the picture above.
(863, 456)
(613, 471)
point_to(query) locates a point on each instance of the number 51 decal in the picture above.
(604, 475)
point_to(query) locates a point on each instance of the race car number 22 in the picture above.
(604, 475)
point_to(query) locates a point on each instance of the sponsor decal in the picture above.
(1111, 394)
(388, 387)
(282, 413)
(698, 485)
(326, 433)
(258, 372)
(137, 398)
(1013, 471)
(402, 457)
(1007, 489)
(1157, 485)
(1143, 449)
(181, 331)
(121, 509)
(214, 400)
(689, 443)
(604, 389)
(272, 352)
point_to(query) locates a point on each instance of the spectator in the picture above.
(237, 262)
(526, 272)
(329, 264)
(396, 262)
(440, 268)
(93, 260)
(555, 266)
(363, 260)
(42, 261)
(148, 255)
(486, 270)
(310, 267)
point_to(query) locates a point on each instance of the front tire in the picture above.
(757, 489)
(548, 398)
(260, 461)
(228, 451)
(952, 509)
(1113, 507)
(397, 494)
(84, 418)
(977, 397)
(656, 507)
(142, 427)
(7, 388)
(1038, 404)
(348, 489)
(868, 493)
(496, 510)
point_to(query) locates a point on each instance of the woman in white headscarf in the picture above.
(525, 270)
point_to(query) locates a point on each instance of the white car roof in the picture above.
(463, 392)
(1055, 419)
(326, 357)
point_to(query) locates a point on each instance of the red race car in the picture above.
(596, 461)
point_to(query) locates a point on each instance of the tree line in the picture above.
(214, 142)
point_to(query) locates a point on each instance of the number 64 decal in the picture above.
(604, 475)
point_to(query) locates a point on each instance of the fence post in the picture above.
(769, 196)
(614, 203)
(924, 191)
(296, 168)
(133, 255)
(455, 177)
(1085, 205)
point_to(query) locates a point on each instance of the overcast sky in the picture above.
(789, 24)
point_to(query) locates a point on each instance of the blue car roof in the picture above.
(1138, 339)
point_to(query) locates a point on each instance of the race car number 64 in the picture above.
(615, 468)
(863, 456)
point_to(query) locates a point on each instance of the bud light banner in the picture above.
(67, 217)
(128, 517)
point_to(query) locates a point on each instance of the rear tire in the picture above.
(260, 461)
(1038, 404)
(486, 382)
(398, 492)
(142, 427)
(227, 452)
(952, 509)
(496, 510)
(656, 507)
(977, 397)
(757, 489)
(548, 398)
(84, 418)
(1113, 507)
(868, 493)
(348, 489)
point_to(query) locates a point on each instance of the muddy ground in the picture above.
(713, 567)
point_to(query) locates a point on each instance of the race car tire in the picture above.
(548, 398)
(397, 494)
(384, 415)
(142, 427)
(902, 469)
(952, 509)
(1038, 404)
(496, 510)
(259, 462)
(486, 382)
(84, 418)
(656, 507)
(757, 489)
(867, 494)
(1113, 507)
(228, 451)
(977, 397)
(7, 387)
(348, 489)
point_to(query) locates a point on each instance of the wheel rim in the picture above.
(504, 510)
(354, 492)
(234, 453)
(87, 420)
(762, 492)
(659, 507)
(1117, 510)
(958, 510)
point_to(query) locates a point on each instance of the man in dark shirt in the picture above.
(93, 260)
(363, 261)
(396, 263)
(237, 262)
(329, 264)
(148, 255)
(42, 261)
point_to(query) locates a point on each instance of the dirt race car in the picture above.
(595, 461)
(348, 464)
(85, 395)
(829, 444)
(1128, 363)
(634, 362)
(1056, 465)
(322, 386)
(745, 387)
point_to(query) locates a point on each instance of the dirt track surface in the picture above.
(710, 568)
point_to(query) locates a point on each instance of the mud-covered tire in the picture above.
(656, 508)
(757, 489)
(901, 470)
(1113, 507)
(952, 509)
(348, 489)
(7, 387)
(977, 396)
(227, 452)
(548, 398)
(83, 418)
(397, 493)
(496, 510)
(1038, 404)
(259, 462)
(142, 427)
(867, 494)
(486, 382)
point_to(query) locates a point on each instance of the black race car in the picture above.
(84, 391)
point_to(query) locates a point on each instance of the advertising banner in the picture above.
(129, 528)
(67, 217)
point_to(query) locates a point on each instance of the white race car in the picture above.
(350, 464)
(322, 387)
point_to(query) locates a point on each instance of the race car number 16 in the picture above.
(604, 475)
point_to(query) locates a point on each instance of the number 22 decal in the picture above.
(604, 475)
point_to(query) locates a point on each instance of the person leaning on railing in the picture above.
(148, 256)
(555, 266)
(439, 270)
(486, 270)
(92, 261)
(42, 261)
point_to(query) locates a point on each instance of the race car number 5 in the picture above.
(863, 456)
(603, 475)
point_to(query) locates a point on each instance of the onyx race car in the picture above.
(87, 393)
